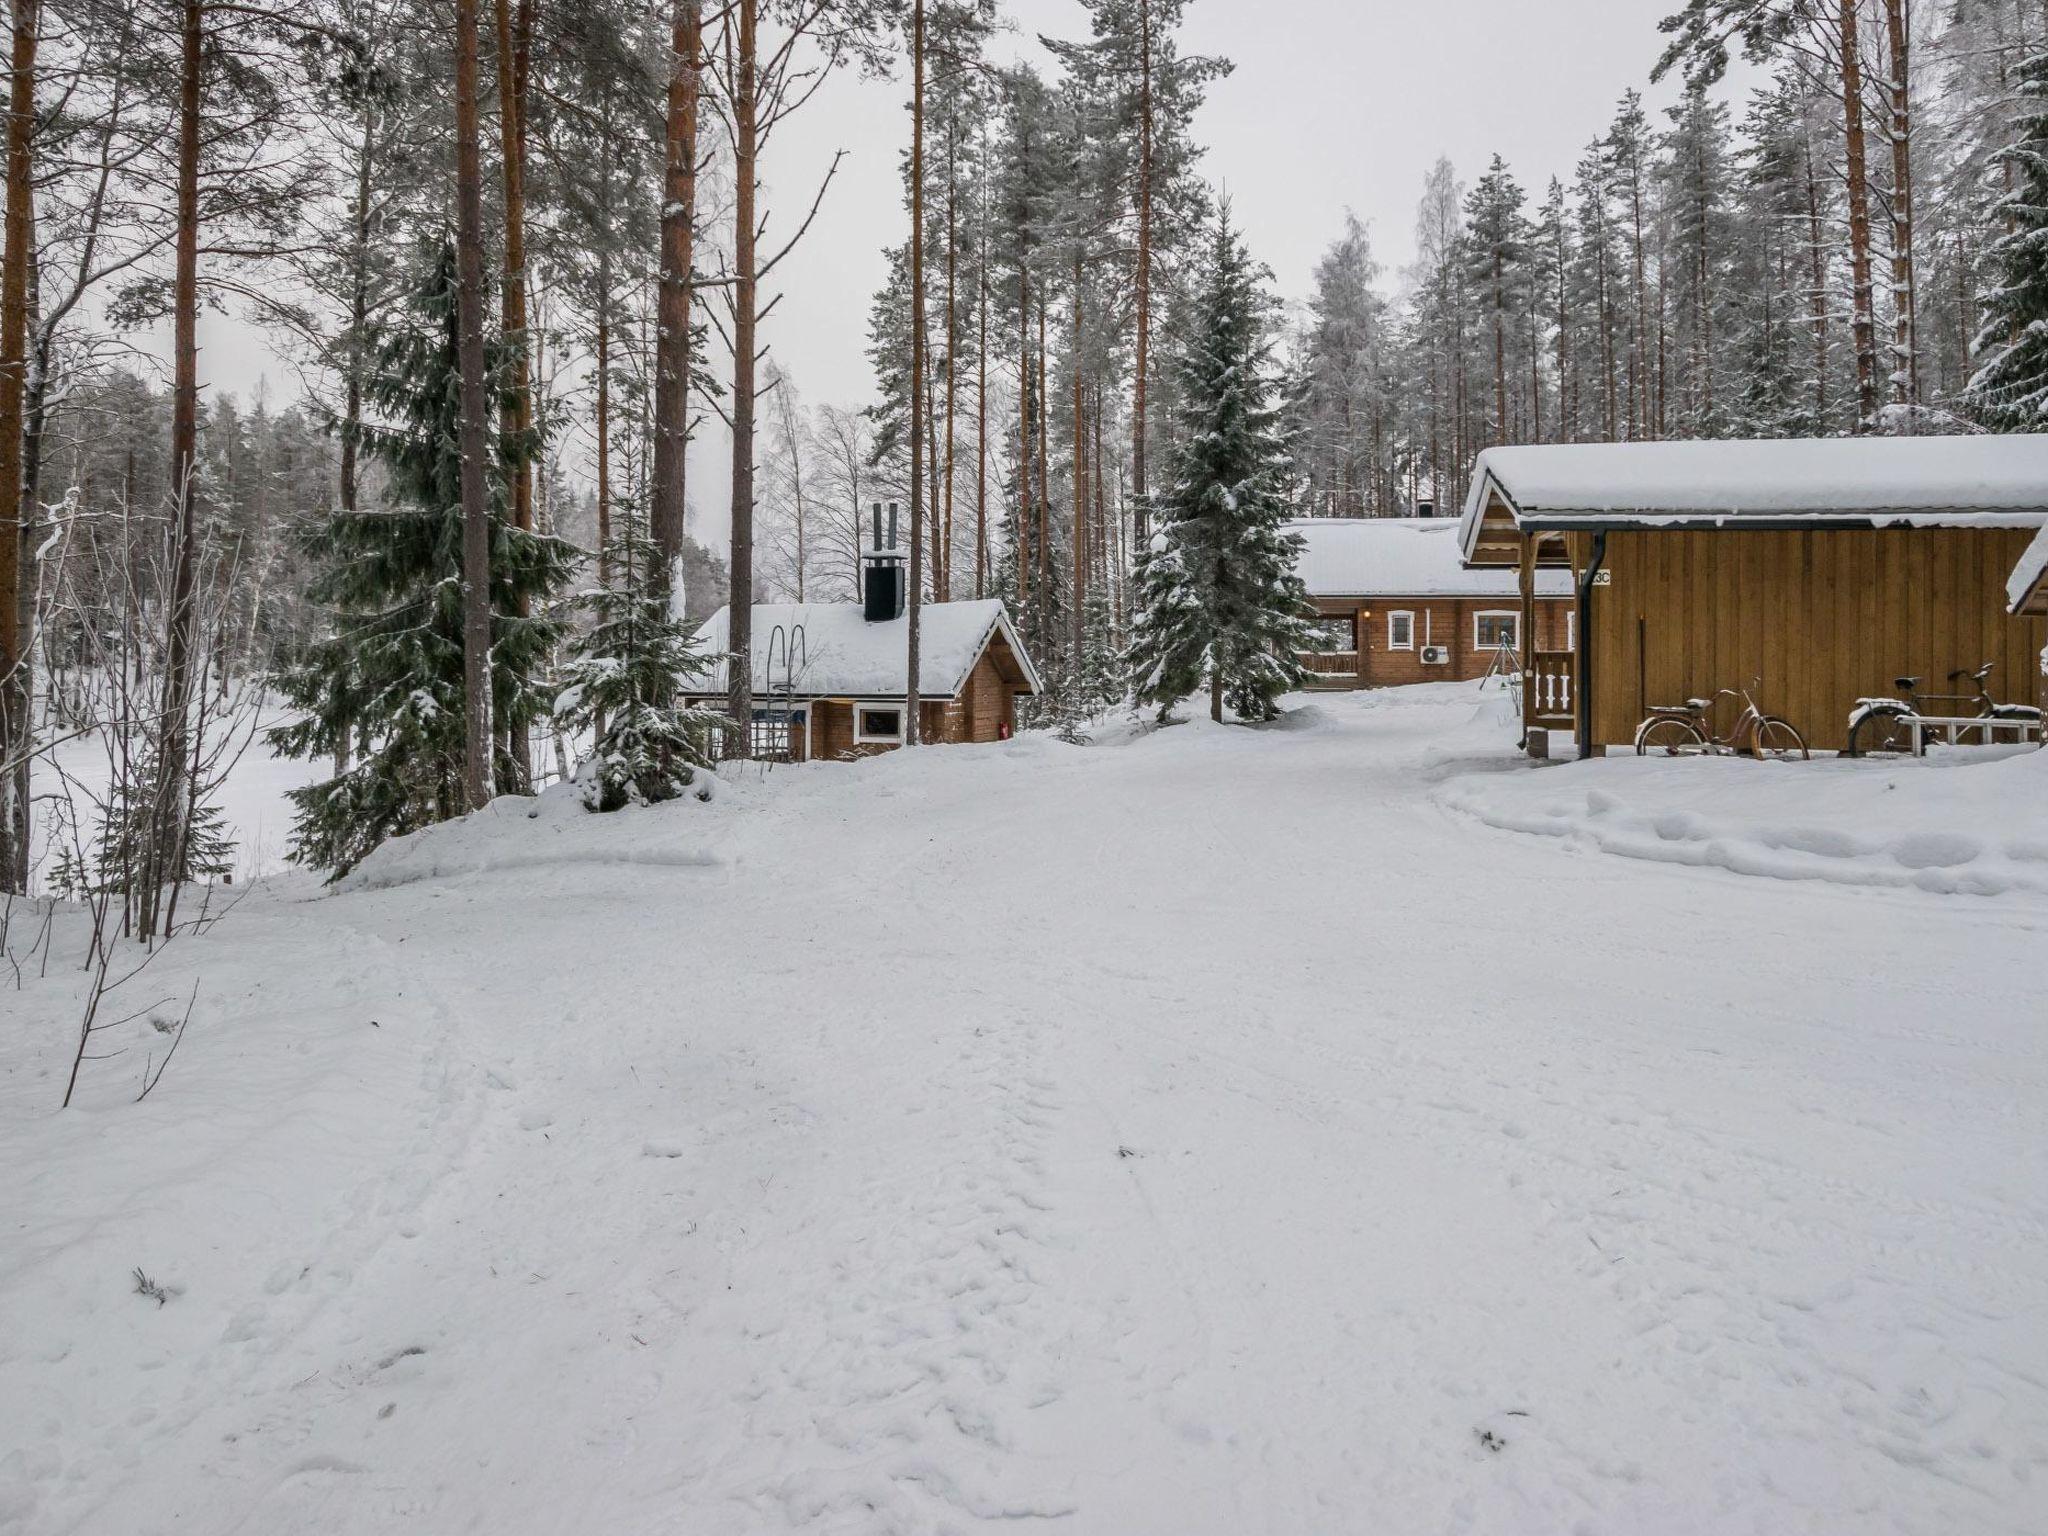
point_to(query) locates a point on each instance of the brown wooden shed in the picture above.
(1814, 570)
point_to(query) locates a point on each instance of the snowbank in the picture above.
(1962, 823)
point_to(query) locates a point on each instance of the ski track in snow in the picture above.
(1207, 1131)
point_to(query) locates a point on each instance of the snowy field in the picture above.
(1335, 1127)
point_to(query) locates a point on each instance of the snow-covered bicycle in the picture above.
(1891, 727)
(1683, 730)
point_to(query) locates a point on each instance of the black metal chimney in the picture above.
(881, 573)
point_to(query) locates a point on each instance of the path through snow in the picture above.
(1204, 1131)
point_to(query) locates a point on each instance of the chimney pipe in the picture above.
(892, 524)
(877, 508)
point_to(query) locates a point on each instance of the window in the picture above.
(1339, 633)
(1401, 631)
(776, 732)
(1491, 631)
(875, 723)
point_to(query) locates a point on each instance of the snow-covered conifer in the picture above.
(622, 679)
(387, 681)
(1217, 594)
(2010, 391)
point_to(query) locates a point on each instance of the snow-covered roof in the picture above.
(1990, 480)
(1402, 557)
(838, 654)
(2028, 575)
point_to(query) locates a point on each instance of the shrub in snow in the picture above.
(622, 681)
(1219, 600)
(382, 694)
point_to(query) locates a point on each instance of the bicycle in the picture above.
(1893, 726)
(1683, 730)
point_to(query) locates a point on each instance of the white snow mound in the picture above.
(1970, 823)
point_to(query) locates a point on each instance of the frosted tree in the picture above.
(385, 689)
(1219, 597)
(622, 679)
(2010, 390)
(1344, 383)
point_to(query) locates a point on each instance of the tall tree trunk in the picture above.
(672, 318)
(1862, 316)
(1080, 473)
(173, 748)
(1142, 279)
(1021, 538)
(943, 577)
(981, 393)
(1044, 474)
(475, 408)
(1905, 344)
(602, 366)
(15, 622)
(745, 107)
(911, 703)
(1818, 264)
(515, 408)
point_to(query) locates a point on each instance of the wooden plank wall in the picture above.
(1446, 621)
(1822, 618)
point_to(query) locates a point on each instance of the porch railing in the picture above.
(1549, 685)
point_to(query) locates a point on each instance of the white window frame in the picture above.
(1513, 616)
(1571, 629)
(861, 738)
(1399, 645)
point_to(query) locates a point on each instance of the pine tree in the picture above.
(1219, 596)
(622, 679)
(388, 681)
(2010, 391)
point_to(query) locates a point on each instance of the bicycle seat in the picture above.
(1907, 683)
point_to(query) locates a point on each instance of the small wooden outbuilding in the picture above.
(830, 681)
(1399, 605)
(1815, 570)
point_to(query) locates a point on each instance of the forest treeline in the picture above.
(521, 253)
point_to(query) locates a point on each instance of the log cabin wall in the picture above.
(1822, 617)
(1445, 621)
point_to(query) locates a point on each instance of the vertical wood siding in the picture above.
(1820, 617)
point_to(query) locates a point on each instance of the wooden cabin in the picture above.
(1399, 604)
(830, 682)
(1815, 570)
(2027, 595)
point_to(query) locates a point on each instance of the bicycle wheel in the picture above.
(1776, 739)
(1669, 736)
(1880, 732)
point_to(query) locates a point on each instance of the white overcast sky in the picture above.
(1333, 104)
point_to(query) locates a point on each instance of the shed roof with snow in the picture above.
(1400, 557)
(2026, 591)
(832, 650)
(1986, 481)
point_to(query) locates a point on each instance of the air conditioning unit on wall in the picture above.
(1436, 655)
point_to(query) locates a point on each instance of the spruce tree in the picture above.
(2010, 391)
(1218, 597)
(622, 678)
(387, 680)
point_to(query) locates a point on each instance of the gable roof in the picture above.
(1401, 557)
(841, 655)
(1989, 480)
(2026, 590)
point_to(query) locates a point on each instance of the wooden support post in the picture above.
(1527, 638)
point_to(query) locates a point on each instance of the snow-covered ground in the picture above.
(1204, 1131)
